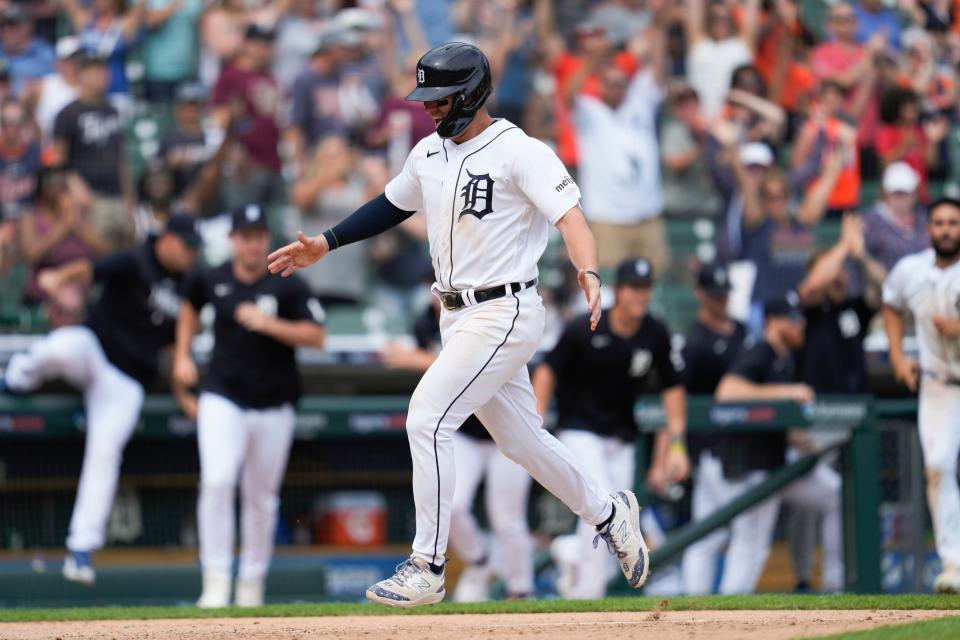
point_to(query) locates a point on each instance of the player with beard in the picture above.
(927, 285)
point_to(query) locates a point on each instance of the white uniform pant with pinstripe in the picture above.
(482, 369)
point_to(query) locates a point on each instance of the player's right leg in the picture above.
(506, 496)
(591, 567)
(939, 427)
(473, 458)
(512, 419)
(701, 558)
(112, 401)
(222, 437)
(751, 534)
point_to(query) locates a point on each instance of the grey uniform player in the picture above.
(927, 285)
(488, 192)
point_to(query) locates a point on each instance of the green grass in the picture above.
(927, 630)
(765, 602)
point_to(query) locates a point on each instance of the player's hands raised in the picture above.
(591, 290)
(946, 327)
(907, 371)
(298, 254)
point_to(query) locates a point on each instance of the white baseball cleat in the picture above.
(413, 584)
(77, 567)
(948, 581)
(216, 590)
(623, 538)
(248, 593)
(474, 583)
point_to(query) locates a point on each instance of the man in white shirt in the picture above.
(487, 191)
(618, 153)
(927, 285)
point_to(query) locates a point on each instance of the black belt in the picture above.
(453, 300)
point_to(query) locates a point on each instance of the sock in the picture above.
(437, 569)
(609, 519)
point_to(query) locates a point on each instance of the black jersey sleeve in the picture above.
(194, 288)
(426, 329)
(116, 267)
(754, 363)
(664, 359)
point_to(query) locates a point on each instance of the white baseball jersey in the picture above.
(487, 203)
(918, 285)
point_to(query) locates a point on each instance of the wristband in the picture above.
(331, 239)
(595, 275)
(677, 446)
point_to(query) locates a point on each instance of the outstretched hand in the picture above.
(298, 254)
(591, 290)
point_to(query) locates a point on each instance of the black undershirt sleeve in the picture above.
(371, 219)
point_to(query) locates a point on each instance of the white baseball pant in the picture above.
(939, 425)
(482, 370)
(506, 489)
(701, 559)
(751, 533)
(112, 401)
(251, 445)
(614, 461)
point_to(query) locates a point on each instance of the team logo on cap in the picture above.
(720, 277)
(421, 76)
(252, 213)
(642, 268)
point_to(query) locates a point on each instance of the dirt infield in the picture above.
(671, 625)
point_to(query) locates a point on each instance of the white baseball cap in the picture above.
(755, 153)
(68, 46)
(900, 177)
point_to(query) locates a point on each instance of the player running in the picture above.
(927, 284)
(111, 359)
(245, 413)
(488, 191)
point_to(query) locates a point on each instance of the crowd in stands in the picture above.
(768, 118)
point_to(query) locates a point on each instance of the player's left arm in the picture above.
(582, 249)
(670, 463)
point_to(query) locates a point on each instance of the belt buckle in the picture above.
(449, 301)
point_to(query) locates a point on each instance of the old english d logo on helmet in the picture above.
(458, 71)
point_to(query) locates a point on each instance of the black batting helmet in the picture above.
(459, 71)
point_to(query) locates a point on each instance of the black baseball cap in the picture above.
(14, 14)
(191, 92)
(634, 271)
(185, 226)
(714, 279)
(249, 216)
(787, 305)
(259, 32)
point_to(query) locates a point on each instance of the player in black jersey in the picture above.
(112, 360)
(710, 347)
(595, 378)
(766, 371)
(245, 412)
(506, 484)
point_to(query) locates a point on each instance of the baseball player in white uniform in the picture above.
(487, 191)
(927, 284)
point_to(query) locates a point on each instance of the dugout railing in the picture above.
(320, 418)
